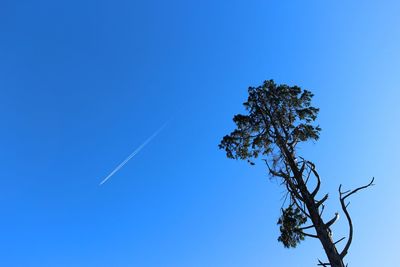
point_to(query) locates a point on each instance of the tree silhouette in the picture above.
(278, 119)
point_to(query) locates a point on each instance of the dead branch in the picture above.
(319, 203)
(307, 227)
(309, 235)
(333, 220)
(322, 210)
(342, 198)
(341, 239)
(323, 264)
(314, 171)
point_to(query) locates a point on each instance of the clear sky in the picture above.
(84, 83)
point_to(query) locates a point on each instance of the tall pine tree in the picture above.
(278, 118)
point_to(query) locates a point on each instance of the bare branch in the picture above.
(309, 235)
(285, 198)
(302, 166)
(308, 176)
(322, 210)
(339, 240)
(314, 171)
(333, 220)
(323, 264)
(319, 203)
(359, 188)
(342, 198)
(307, 227)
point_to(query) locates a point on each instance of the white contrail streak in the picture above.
(137, 150)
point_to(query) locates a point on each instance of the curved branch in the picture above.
(359, 188)
(314, 171)
(342, 198)
(333, 220)
(319, 203)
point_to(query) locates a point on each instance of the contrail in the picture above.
(137, 150)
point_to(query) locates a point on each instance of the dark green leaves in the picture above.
(278, 116)
(290, 227)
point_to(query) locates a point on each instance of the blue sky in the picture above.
(83, 83)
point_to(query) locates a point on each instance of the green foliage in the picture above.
(277, 119)
(290, 227)
(277, 115)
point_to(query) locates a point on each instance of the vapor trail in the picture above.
(137, 150)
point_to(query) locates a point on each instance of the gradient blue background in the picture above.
(83, 83)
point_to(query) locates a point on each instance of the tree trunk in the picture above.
(323, 233)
